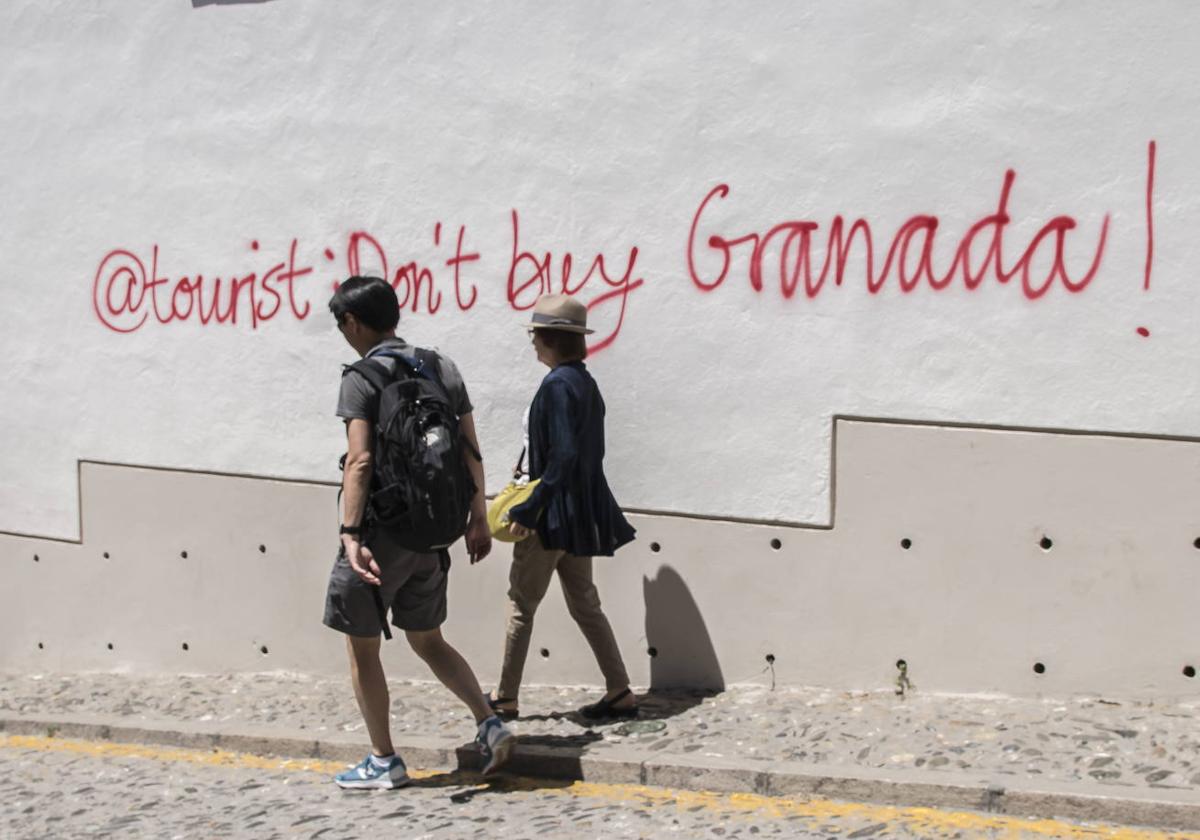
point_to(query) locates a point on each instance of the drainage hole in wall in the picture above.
(1046, 543)
(183, 554)
(906, 543)
(655, 547)
(185, 645)
(106, 555)
(262, 549)
(545, 653)
(1039, 668)
(776, 544)
(263, 650)
(1188, 671)
(110, 645)
(37, 559)
(652, 652)
(770, 659)
(41, 646)
(1196, 543)
(901, 664)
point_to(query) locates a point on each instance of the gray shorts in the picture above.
(412, 584)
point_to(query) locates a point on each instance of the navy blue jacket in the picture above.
(572, 508)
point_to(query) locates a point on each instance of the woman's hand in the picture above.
(518, 530)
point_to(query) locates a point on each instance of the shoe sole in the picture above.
(374, 784)
(501, 753)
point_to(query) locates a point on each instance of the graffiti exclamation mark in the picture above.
(1142, 331)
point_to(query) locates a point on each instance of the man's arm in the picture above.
(479, 538)
(356, 485)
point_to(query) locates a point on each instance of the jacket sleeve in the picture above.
(559, 415)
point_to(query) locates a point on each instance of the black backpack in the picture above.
(421, 489)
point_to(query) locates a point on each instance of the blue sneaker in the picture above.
(495, 741)
(369, 773)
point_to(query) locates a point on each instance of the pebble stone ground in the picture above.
(132, 797)
(52, 788)
(1119, 745)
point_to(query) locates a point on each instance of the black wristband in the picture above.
(352, 530)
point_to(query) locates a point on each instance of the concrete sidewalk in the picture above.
(1091, 759)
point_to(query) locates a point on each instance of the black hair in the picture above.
(568, 346)
(371, 300)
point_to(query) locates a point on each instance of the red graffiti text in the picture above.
(415, 283)
(532, 274)
(125, 296)
(910, 252)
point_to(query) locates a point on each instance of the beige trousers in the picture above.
(529, 578)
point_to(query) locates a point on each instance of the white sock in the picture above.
(382, 761)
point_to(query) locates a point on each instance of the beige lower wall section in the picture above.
(1111, 607)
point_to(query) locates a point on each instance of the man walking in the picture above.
(373, 570)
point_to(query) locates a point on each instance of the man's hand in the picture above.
(361, 560)
(479, 538)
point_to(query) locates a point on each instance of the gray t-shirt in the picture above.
(358, 400)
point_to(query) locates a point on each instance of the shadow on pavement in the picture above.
(473, 783)
(684, 672)
(684, 669)
(539, 762)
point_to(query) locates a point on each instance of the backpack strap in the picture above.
(417, 365)
(372, 373)
(382, 610)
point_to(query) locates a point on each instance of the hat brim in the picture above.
(560, 327)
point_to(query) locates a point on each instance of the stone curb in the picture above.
(1164, 808)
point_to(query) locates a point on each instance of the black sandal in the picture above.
(606, 709)
(503, 714)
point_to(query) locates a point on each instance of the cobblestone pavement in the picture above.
(56, 788)
(1122, 745)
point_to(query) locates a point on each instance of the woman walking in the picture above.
(571, 515)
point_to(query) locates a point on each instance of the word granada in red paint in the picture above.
(790, 246)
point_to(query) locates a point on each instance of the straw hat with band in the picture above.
(559, 312)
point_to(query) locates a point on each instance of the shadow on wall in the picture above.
(683, 664)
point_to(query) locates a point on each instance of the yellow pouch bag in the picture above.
(497, 516)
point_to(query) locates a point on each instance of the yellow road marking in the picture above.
(748, 804)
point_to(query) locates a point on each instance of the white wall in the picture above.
(200, 129)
